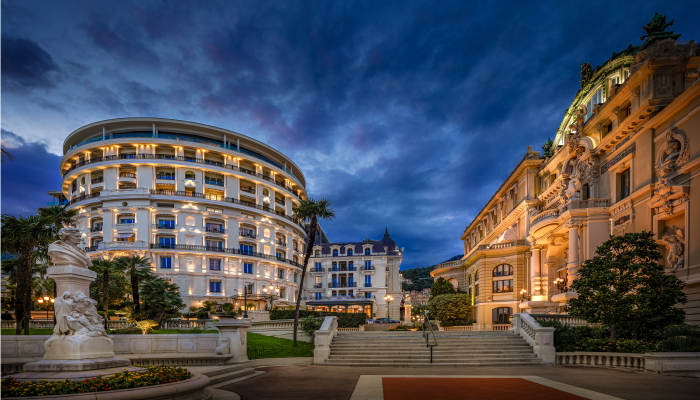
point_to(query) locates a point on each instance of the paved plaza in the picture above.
(345, 383)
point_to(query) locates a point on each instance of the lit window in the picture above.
(166, 262)
(624, 184)
(503, 286)
(596, 98)
(215, 264)
(501, 315)
(215, 286)
(503, 270)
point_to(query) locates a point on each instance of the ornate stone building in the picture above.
(209, 207)
(625, 158)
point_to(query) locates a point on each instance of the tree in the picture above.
(441, 286)
(105, 268)
(21, 236)
(624, 288)
(6, 155)
(139, 270)
(309, 211)
(161, 298)
(450, 309)
(58, 217)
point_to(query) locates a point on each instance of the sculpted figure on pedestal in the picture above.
(76, 315)
(63, 307)
(66, 251)
(675, 243)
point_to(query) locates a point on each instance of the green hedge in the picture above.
(345, 320)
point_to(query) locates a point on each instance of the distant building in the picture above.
(418, 297)
(355, 276)
(405, 280)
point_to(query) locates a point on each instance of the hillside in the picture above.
(420, 277)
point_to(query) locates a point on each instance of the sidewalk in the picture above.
(338, 383)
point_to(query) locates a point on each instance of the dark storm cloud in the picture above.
(405, 114)
(27, 177)
(25, 65)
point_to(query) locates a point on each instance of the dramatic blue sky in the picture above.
(406, 114)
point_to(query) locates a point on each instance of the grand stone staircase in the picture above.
(408, 349)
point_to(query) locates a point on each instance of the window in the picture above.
(335, 267)
(215, 286)
(215, 228)
(126, 220)
(351, 266)
(166, 205)
(368, 281)
(246, 233)
(501, 315)
(247, 249)
(368, 295)
(318, 267)
(166, 224)
(280, 273)
(216, 210)
(247, 268)
(318, 279)
(317, 253)
(368, 264)
(335, 253)
(624, 184)
(189, 175)
(596, 98)
(166, 242)
(249, 288)
(368, 251)
(296, 278)
(215, 264)
(283, 292)
(166, 262)
(214, 245)
(503, 286)
(503, 270)
(349, 252)
(318, 296)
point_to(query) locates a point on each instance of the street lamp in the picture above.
(388, 299)
(561, 284)
(273, 291)
(523, 294)
(245, 299)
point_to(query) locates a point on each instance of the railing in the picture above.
(247, 190)
(49, 324)
(279, 202)
(316, 270)
(276, 325)
(97, 180)
(184, 324)
(503, 245)
(96, 229)
(629, 361)
(164, 192)
(125, 225)
(337, 298)
(83, 197)
(281, 243)
(131, 245)
(342, 284)
(540, 338)
(342, 269)
(428, 334)
(548, 214)
(185, 159)
(368, 285)
(323, 338)
(367, 267)
(318, 285)
(166, 177)
(213, 182)
(464, 328)
(501, 327)
(163, 226)
(563, 318)
(214, 229)
(127, 175)
(221, 250)
(248, 234)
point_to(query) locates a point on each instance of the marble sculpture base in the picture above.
(78, 347)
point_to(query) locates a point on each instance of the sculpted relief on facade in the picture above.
(673, 154)
(675, 242)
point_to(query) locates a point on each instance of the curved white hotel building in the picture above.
(210, 208)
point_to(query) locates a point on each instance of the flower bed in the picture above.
(121, 380)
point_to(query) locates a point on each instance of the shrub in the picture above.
(311, 324)
(345, 320)
(400, 328)
(450, 309)
(679, 338)
(619, 345)
(567, 338)
(121, 380)
(126, 331)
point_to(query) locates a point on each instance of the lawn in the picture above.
(261, 346)
(31, 331)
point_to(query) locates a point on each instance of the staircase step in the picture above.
(213, 380)
(533, 363)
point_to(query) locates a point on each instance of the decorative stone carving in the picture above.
(223, 348)
(66, 251)
(675, 242)
(673, 154)
(621, 223)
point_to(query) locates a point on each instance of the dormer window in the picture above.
(596, 98)
(335, 253)
(368, 251)
(350, 252)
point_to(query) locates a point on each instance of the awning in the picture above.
(123, 235)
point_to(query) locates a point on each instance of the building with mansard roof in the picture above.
(626, 158)
(355, 277)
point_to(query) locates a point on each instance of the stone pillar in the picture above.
(573, 261)
(535, 278)
(233, 340)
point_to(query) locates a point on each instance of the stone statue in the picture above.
(76, 315)
(675, 243)
(672, 154)
(66, 251)
(657, 25)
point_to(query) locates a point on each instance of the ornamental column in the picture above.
(573, 261)
(535, 278)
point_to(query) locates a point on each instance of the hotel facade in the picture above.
(355, 277)
(210, 208)
(626, 158)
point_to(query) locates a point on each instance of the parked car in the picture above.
(370, 321)
(386, 321)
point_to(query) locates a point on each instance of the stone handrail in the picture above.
(323, 338)
(540, 338)
(139, 244)
(563, 318)
(544, 215)
(49, 324)
(274, 325)
(464, 328)
(631, 361)
(501, 327)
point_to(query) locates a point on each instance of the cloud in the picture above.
(26, 178)
(26, 65)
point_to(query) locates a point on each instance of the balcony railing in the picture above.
(315, 269)
(344, 269)
(97, 180)
(214, 229)
(83, 197)
(127, 175)
(221, 250)
(166, 177)
(503, 245)
(368, 284)
(96, 228)
(342, 284)
(164, 226)
(338, 298)
(185, 159)
(166, 192)
(367, 267)
(213, 182)
(281, 243)
(248, 234)
(247, 190)
(318, 285)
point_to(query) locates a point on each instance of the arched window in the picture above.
(501, 315)
(503, 270)
(266, 233)
(349, 252)
(82, 180)
(335, 253)
(318, 253)
(189, 175)
(266, 192)
(189, 220)
(368, 251)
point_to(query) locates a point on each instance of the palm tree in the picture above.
(309, 210)
(161, 297)
(106, 268)
(139, 269)
(58, 217)
(22, 236)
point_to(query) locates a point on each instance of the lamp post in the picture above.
(561, 284)
(523, 294)
(388, 299)
(273, 291)
(245, 299)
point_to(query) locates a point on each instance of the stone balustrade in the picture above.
(630, 361)
(563, 318)
(539, 337)
(323, 338)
